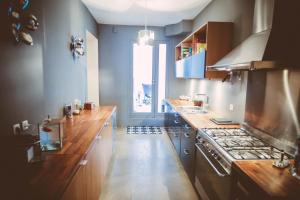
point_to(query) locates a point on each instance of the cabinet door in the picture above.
(197, 69)
(77, 188)
(105, 149)
(176, 140)
(187, 65)
(93, 171)
(179, 69)
(187, 152)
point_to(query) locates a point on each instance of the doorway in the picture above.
(92, 68)
(148, 82)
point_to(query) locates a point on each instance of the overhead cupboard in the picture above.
(204, 47)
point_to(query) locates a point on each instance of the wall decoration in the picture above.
(22, 21)
(77, 46)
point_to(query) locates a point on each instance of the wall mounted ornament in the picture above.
(77, 46)
(22, 21)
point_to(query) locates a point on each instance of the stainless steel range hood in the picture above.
(265, 48)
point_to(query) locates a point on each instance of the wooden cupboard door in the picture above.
(93, 171)
(77, 188)
(106, 143)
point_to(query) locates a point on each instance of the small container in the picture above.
(51, 134)
(89, 106)
(200, 100)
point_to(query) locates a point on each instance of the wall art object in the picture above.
(21, 21)
(77, 46)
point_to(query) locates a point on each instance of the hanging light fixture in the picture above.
(146, 37)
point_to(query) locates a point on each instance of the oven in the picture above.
(216, 149)
(212, 181)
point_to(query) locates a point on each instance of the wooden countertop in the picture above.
(276, 183)
(197, 121)
(49, 179)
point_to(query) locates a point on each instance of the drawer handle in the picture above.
(106, 124)
(210, 162)
(99, 137)
(187, 135)
(176, 115)
(186, 152)
(83, 162)
(187, 127)
(244, 190)
(176, 121)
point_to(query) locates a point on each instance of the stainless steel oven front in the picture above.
(212, 180)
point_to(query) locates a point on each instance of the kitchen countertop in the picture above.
(276, 183)
(199, 120)
(49, 179)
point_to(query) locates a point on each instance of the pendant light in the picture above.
(145, 37)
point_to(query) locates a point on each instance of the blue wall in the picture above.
(64, 77)
(115, 45)
(37, 80)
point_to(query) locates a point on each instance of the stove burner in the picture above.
(225, 132)
(240, 145)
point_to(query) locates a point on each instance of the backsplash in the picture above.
(222, 94)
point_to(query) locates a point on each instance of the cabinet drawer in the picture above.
(188, 136)
(187, 157)
(187, 151)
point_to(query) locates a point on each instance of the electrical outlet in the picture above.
(231, 107)
(24, 125)
(16, 129)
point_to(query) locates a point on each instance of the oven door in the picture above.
(211, 180)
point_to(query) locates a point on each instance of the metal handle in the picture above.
(99, 137)
(186, 126)
(210, 162)
(186, 152)
(176, 115)
(176, 121)
(187, 135)
(83, 162)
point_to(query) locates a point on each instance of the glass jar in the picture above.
(200, 100)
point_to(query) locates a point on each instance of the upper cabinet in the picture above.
(203, 48)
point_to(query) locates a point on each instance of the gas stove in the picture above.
(228, 145)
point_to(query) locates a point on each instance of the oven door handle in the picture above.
(210, 162)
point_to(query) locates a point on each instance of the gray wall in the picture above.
(115, 64)
(115, 59)
(236, 11)
(230, 92)
(37, 80)
(64, 77)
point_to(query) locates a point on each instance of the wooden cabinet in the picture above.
(244, 189)
(105, 149)
(76, 189)
(259, 179)
(90, 178)
(93, 170)
(203, 48)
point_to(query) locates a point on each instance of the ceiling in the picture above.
(133, 12)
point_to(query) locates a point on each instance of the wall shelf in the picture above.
(204, 47)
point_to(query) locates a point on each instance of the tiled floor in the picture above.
(146, 167)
